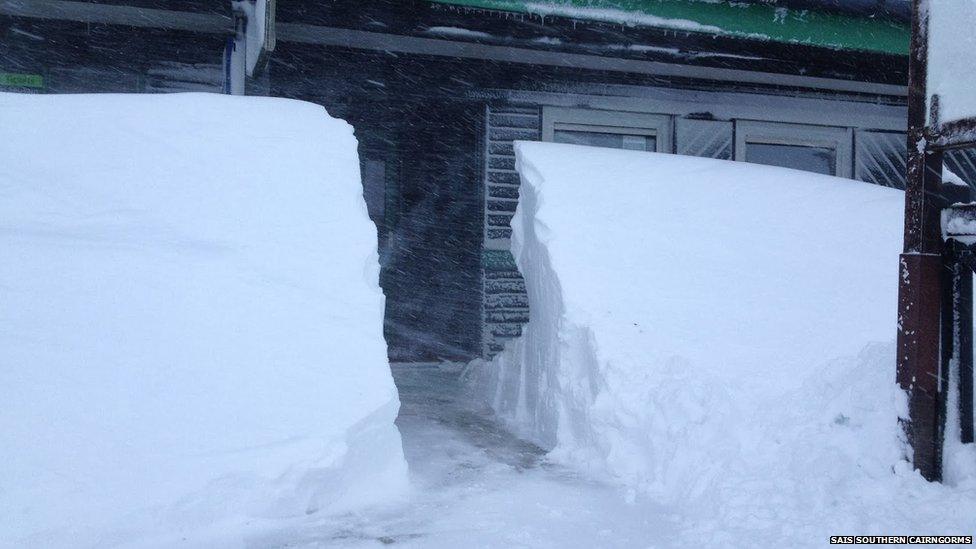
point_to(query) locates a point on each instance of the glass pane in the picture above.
(882, 158)
(609, 140)
(705, 138)
(812, 159)
(962, 162)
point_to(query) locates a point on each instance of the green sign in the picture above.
(498, 260)
(15, 80)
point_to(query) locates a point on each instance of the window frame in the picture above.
(659, 126)
(840, 139)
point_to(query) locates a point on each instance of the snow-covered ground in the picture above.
(475, 485)
(191, 345)
(191, 349)
(716, 337)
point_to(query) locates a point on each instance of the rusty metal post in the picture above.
(950, 284)
(957, 340)
(963, 319)
(957, 335)
(960, 264)
(920, 280)
(919, 358)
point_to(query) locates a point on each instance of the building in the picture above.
(438, 91)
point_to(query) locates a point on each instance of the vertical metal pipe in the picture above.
(238, 60)
(966, 357)
(964, 329)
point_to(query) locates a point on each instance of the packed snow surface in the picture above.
(951, 63)
(716, 337)
(474, 485)
(191, 342)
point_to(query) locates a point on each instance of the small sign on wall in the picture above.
(15, 80)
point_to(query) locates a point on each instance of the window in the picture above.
(802, 157)
(882, 157)
(579, 134)
(962, 162)
(612, 129)
(705, 138)
(819, 149)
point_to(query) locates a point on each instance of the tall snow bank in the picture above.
(191, 332)
(701, 331)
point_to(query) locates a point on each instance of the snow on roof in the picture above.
(763, 21)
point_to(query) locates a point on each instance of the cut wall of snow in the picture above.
(191, 338)
(716, 335)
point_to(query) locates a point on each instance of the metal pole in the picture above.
(238, 59)
(957, 333)
(957, 340)
(920, 280)
(962, 312)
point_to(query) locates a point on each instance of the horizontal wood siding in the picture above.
(506, 305)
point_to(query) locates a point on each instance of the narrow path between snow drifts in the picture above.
(475, 485)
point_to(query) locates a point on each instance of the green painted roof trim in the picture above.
(761, 21)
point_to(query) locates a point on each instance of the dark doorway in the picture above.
(432, 276)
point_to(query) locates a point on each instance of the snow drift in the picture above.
(191, 332)
(707, 334)
(950, 69)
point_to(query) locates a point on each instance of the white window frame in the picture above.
(841, 140)
(660, 126)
